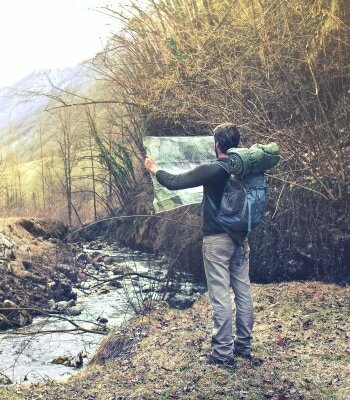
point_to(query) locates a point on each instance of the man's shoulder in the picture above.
(222, 164)
(218, 165)
(215, 172)
(217, 162)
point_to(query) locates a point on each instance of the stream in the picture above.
(27, 358)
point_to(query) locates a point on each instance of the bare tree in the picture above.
(68, 139)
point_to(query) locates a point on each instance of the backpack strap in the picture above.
(237, 256)
(226, 168)
(223, 165)
(249, 215)
(211, 202)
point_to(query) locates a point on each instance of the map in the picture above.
(177, 155)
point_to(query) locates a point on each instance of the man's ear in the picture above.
(217, 146)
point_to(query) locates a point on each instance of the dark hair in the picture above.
(227, 135)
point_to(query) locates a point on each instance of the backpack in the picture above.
(245, 194)
(242, 205)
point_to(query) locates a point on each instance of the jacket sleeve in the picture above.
(199, 176)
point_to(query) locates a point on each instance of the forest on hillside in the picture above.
(279, 69)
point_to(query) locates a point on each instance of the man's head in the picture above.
(226, 136)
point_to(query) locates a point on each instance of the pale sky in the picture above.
(44, 34)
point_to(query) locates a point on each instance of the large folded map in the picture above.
(178, 155)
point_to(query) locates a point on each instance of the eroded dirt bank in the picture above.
(41, 268)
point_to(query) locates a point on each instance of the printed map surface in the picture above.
(178, 155)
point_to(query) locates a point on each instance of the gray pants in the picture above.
(222, 273)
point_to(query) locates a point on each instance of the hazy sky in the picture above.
(42, 34)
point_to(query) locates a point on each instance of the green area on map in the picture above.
(177, 155)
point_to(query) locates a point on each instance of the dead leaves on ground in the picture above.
(301, 332)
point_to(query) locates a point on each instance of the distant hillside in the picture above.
(22, 112)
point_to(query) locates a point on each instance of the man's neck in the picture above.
(222, 155)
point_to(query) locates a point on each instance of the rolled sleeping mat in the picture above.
(264, 156)
(239, 161)
(258, 158)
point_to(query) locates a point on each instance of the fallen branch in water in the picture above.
(80, 329)
(58, 316)
(120, 277)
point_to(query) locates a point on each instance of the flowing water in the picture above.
(28, 357)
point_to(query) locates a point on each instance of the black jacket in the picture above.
(213, 178)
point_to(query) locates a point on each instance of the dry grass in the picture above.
(301, 332)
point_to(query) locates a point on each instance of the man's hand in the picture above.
(150, 165)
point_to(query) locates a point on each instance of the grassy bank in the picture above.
(301, 332)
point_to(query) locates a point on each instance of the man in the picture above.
(221, 269)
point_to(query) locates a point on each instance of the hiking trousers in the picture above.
(222, 273)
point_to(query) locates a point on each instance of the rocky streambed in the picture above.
(114, 284)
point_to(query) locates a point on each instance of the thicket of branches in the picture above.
(280, 70)
(87, 175)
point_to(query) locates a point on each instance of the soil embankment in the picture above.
(41, 268)
(301, 244)
(303, 238)
(176, 233)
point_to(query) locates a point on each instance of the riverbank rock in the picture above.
(102, 320)
(27, 265)
(74, 361)
(83, 258)
(96, 266)
(7, 252)
(115, 283)
(4, 379)
(108, 260)
(103, 290)
(61, 305)
(75, 310)
(86, 285)
(63, 290)
(52, 304)
(181, 301)
(95, 245)
(7, 248)
(65, 305)
(15, 316)
(122, 269)
(5, 323)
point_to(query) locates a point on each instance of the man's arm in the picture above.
(197, 177)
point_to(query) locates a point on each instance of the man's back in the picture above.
(213, 178)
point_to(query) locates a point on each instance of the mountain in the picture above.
(23, 105)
